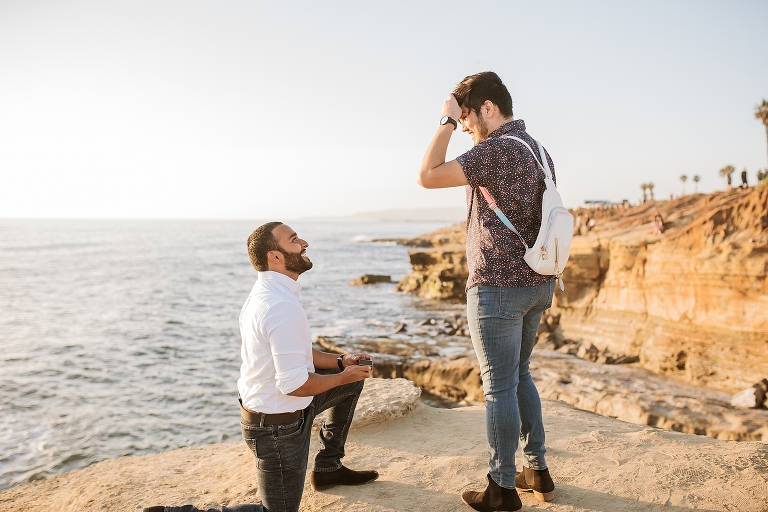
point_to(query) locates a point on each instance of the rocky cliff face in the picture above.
(440, 271)
(691, 303)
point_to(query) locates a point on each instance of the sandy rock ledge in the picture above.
(427, 457)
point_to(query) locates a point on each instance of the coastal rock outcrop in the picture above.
(691, 303)
(438, 273)
(370, 279)
(752, 398)
(381, 400)
(623, 391)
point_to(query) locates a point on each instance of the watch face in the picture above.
(444, 120)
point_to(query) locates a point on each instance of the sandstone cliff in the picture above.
(691, 303)
(620, 391)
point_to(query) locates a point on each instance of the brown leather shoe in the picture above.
(493, 499)
(342, 476)
(538, 481)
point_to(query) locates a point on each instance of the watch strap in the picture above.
(449, 120)
(340, 363)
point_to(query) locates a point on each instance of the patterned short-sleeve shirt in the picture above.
(508, 170)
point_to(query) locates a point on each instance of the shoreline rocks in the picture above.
(626, 392)
(366, 279)
(440, 273)
(689, 304)
(751, 398)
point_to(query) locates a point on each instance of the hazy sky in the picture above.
(247, 109)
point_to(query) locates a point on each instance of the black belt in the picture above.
(268, 419)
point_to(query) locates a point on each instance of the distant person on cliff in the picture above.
(744, 179)
(658, 223)
(285, 383)
(505, 297)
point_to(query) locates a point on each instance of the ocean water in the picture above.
(121, 337)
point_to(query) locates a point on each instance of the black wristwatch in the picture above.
(341, 364)
(446, 120)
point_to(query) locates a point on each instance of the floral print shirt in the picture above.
(508, 170)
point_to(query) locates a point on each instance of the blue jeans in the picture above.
(503, 324)
(282, 451)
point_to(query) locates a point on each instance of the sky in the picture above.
(249, 109)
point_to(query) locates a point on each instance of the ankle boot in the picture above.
(538, 481)
(493, 499)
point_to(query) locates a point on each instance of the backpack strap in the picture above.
(545, 167)
(500, 215)
(492, 202)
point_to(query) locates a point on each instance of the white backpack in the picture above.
(550, 252)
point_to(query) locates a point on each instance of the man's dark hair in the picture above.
(260, 243)
(475, 89)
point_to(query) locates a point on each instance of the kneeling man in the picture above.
(284, 383)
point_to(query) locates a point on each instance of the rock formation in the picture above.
(626, 392)
(381, 400)
(370, 279)
(691, 303)
(752, 398)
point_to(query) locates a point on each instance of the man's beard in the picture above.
(295, 263)
(482, 134)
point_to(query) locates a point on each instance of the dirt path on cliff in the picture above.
(428, 458)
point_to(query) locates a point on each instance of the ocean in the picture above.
(120, 337)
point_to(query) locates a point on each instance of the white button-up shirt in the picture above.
(277, 346)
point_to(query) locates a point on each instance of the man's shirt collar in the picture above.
(271, 275)
(517, 125)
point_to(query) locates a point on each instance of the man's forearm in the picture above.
(324, 360)
(317, 384)
(435, 172)
(436, 151)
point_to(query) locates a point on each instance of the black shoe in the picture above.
(494, 498)
(342, 476)
(154, 509)
(538, 481)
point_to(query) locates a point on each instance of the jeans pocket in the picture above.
(514, 303)
(289, 429)
(483, 301)
(251, 434)
(291, 444)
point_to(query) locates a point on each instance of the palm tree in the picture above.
(650, 189)
(644, 186)
(696, 180)
(683, 178)
(761, 113)
(727, 171)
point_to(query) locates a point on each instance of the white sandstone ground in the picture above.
(426, 457)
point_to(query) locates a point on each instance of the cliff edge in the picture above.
(427, 458)
(690, 303)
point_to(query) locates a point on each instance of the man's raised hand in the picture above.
(451, 108)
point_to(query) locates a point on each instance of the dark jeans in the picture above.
(282, 451)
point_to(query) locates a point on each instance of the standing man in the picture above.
(284, 383)
(505, 297)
